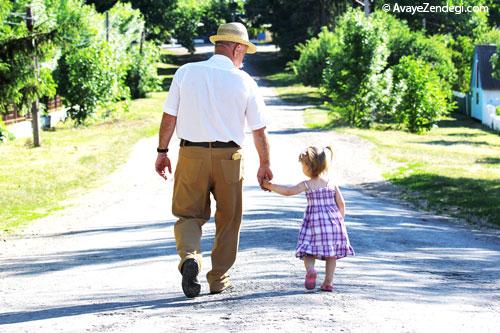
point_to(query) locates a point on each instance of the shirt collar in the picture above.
(221, 61)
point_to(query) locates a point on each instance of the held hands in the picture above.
(162, 163)
(264, 175)
(267, 185)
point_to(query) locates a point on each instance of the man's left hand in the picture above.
(264, 173)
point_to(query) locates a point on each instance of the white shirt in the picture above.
(212, 99)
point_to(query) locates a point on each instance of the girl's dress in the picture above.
(323, 232)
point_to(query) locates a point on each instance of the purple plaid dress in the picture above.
(323, 232)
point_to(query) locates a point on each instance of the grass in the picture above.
(454, 168)
(34, 182)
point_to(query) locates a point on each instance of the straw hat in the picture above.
(233, 32)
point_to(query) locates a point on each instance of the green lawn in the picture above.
(34, 181)
(454, 168)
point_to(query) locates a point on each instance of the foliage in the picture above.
(293, 22)
(353, 78)
(217, 12)
(313, 55)
(4, 133)
(422, 96)
(158, 14)
(18, 83)
(464, 24)
(495, 62)
(89, 77)
(202, 18)
(404, 42)
(142, 76)
(186, 25)
(462, 49)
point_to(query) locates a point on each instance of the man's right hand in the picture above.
(162, 163)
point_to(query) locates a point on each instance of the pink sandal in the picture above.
(310, 282)
(326, 287)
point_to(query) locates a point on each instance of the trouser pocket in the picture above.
(232, 170)
(188, 169)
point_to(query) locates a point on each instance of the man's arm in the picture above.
(262, 146)
(167, 128)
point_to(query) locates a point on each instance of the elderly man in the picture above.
(208, 103)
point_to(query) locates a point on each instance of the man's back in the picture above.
(211, 100)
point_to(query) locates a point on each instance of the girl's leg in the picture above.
(310, 282)
(331, 263)
(309, 263)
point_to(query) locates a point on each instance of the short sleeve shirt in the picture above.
(212, 100)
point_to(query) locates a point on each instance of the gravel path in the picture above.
(108, 263)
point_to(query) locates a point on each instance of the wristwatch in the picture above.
(162, 150)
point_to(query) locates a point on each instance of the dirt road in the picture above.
(108, 263)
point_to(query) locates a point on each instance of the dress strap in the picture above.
(307, 186)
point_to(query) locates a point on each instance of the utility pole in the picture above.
(107, 26)
(30, 23)
(367, 8)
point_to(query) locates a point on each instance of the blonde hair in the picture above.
(316, 160)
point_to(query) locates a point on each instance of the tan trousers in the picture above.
(199, 172)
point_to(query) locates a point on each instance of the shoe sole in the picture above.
(227, 289)
(189, 273)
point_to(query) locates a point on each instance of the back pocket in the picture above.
(188, 169)
(232, 170)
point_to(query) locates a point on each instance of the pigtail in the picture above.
(330, 150)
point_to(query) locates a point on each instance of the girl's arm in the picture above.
(339, 199)
(285, 190)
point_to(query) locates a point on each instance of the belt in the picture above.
(213, 144)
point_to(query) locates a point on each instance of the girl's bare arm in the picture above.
(339, 199)
(285, 190)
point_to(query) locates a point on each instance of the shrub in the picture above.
(353, 78)
(308, 68)
(434, 50)
(4, 133)
(142, 76)
(421, 96)
(90, 77)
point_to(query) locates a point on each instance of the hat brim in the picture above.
(229, 38)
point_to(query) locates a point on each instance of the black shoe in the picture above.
(190, 285)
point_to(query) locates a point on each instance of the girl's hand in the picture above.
(267, 184)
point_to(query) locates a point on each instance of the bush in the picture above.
(142, 76)
(421, 96)
(434, 50)
(4, 133)
(90, 77)
(353, 78)
(313, 55)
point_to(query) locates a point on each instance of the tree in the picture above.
(18, 46)
(463, 24)
(422, 99)
(353, 78)
(88, 77)
(313, 57)
(293, 22)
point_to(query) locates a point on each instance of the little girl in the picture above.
(323, 234)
